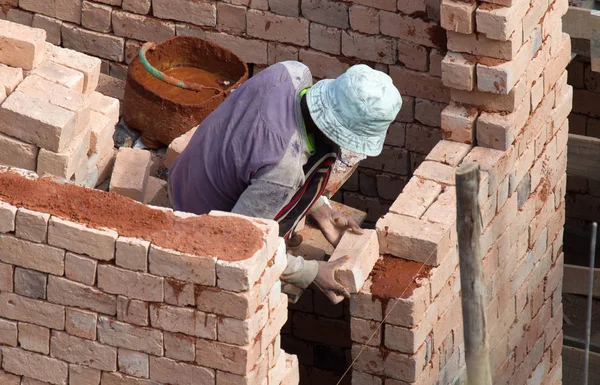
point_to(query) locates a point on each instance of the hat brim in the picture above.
(322, 114)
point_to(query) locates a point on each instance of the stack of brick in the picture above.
(82, 305)
(52, 120)
(402, 38)
(510, 97)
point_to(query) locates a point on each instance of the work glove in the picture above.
(333, 224)
(326, 282)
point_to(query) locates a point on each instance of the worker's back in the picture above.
(248, 133)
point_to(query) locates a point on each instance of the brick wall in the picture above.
(82, 305)
(506, 70)
(402, 38)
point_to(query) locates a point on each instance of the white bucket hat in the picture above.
(356, 109)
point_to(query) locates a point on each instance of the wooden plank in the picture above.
(576, 22)
(339, 176)
(576, 280)
(583, 157)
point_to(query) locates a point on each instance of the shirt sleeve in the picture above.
(300, 272)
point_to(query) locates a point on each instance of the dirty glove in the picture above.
(334, 224)
(326, 282)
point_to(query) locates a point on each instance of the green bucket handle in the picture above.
(170, 79)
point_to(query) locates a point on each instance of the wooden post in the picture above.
(468, 225)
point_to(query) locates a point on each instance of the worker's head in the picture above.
(356, 109)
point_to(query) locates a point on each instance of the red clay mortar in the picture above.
(226, 238)
(396, 277)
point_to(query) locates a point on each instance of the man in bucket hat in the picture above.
(267, 151)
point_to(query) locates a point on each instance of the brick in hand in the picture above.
(361, 253)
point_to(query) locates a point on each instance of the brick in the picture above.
(480, 45)
(137, 6)
(179, 293)
(389, 187)
(37, 122)
(365, 331)
(36, 87)
(326, 39)
(132, 254)
(500, 78)
(8, 333)
(322, 65)
(30, 283)
(416, 197)
(101, 133)
(238, 332)
(10, 78)
(285, 7)
(93, 43)
(164, 370)
(136, 285)
(458, 71)
(131, 172)
(361, 253)
(81, 323)
(31, 255)
(83, 352)
(88, 66)
(69, 293)
(20, 17)
(498, 130)
(420, 31)
(443, 210)
(419, 84)
(268, 26)
(249, 50)
(122, 379)
(106, 105)
(134, 363)
(122, 335)
(96, 17)
(98, 244)
(50, 25)
(82, 375)
(185, 267)
(199, 13)
(360, 378)
(7, 216)
(364, 19)
(235, 305)
(234, 359)
(132, 311)
(33, 311)
(458, 16)
(450, 153)
(34, 338)
(60, 74)
(23, 47)
(6, 278)
(437, 172)
(231, 18)
(413, 56)
(373, 48)
(182, 320)
(35, 366)
(65, 163)
(179, 347)
(145, 28)
(9, 379)
(499, 23)
(334, 14)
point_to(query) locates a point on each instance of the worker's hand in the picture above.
(334, 224)
(326, 282)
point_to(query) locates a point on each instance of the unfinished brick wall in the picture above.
(506, 67)
(84, 305)
(402, 38)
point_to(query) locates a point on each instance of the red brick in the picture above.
(373, 48)
(69, 293)
(419, 84)
(145, 28)
(83, 352)
(326, 39)
(199, 13)
(240, 360)
(134, 363)
(364, 19)
(16, 153)
(499, 23)
(8, 333)
(83, 375)
(93, 43)
(410, 6)
(414, 29)
(413, 56)
(458, 16)
(50, 25)
(60, 74)
(169, 263)
(322, 65)
(251, 51)
(501, 78)
(35, 366)
(231, 18)
(179, 347)
(268, 26)
(458, 71)
(164, 370)
(332, 13)
(123, 335)
(34, 338)
(137, 6)
(98, 244)
(20, 17)
(478, 44)
(183, 320)
(96, 17)
(285, 7)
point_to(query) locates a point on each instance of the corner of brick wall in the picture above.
(82, 305)
(509, 109)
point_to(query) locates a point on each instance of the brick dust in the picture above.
(226, 238)
(396, 277)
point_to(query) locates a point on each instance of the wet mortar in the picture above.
(226, 238)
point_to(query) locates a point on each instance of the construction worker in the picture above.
(267, 151)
